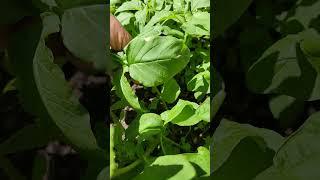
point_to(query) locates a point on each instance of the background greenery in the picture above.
(266, 55)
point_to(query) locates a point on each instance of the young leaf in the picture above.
(150, 124)
(182, 114)
(170, 91)
(154, 60)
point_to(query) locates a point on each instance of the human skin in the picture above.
(119, 37)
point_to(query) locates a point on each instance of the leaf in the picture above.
(154, 60)
(200, 159)
(150, 124)
(229, 134)
(282, 67)
(159, 16)
(197, 4)
(298, 156)
(10, 86)
(198, 24)
(124, 18)
(203, 111)
(182, 114)
(287, 110)
(170, 91)
(128, 93)
(130, 6)
(227, 13)
(173, 167)
(217, 102)
(83, 26)
(104, 174)
(62, 106)
(200, 84)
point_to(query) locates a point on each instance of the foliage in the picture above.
(270, 53)
(161, 90)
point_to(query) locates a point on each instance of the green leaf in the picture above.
(124, 18)
(287, 110)
(10, 86)
(159, 16)
(85, 26)
(282, 67)
(201, 160)
(62, 106)
(170, 91)
(227, 13)
(150, 124)
(127, 92)
(217, 102)
(198, 24)
(203, 111)
(299, 155)
(130, 6)
(182, 114)
(173, 167)
(104, 174)
(229, 134)
(197, 4)
(200, 84)
(153, 60)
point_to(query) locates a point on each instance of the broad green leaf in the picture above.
(201, 159)
(298, 157)
(133, 5)
(170, 91)
(249, 158)
(150, 124)
(171, 167)
(141, 17)
(84, 33)
(284, 66)
(153, 60)
(62, 106)
(227, 13)
(182, 114)
(198, 24)
(179, 5)
(229, 134)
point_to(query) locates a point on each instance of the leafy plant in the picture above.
(161, 91)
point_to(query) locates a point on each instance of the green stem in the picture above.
(162, 146)
(159, 94)
(174, 143)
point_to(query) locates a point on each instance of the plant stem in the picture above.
(174, 143)
(162, 147)
(159, 94)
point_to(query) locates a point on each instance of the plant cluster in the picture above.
(161, 91)
(266, 108)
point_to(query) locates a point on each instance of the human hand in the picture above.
(119, 37)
